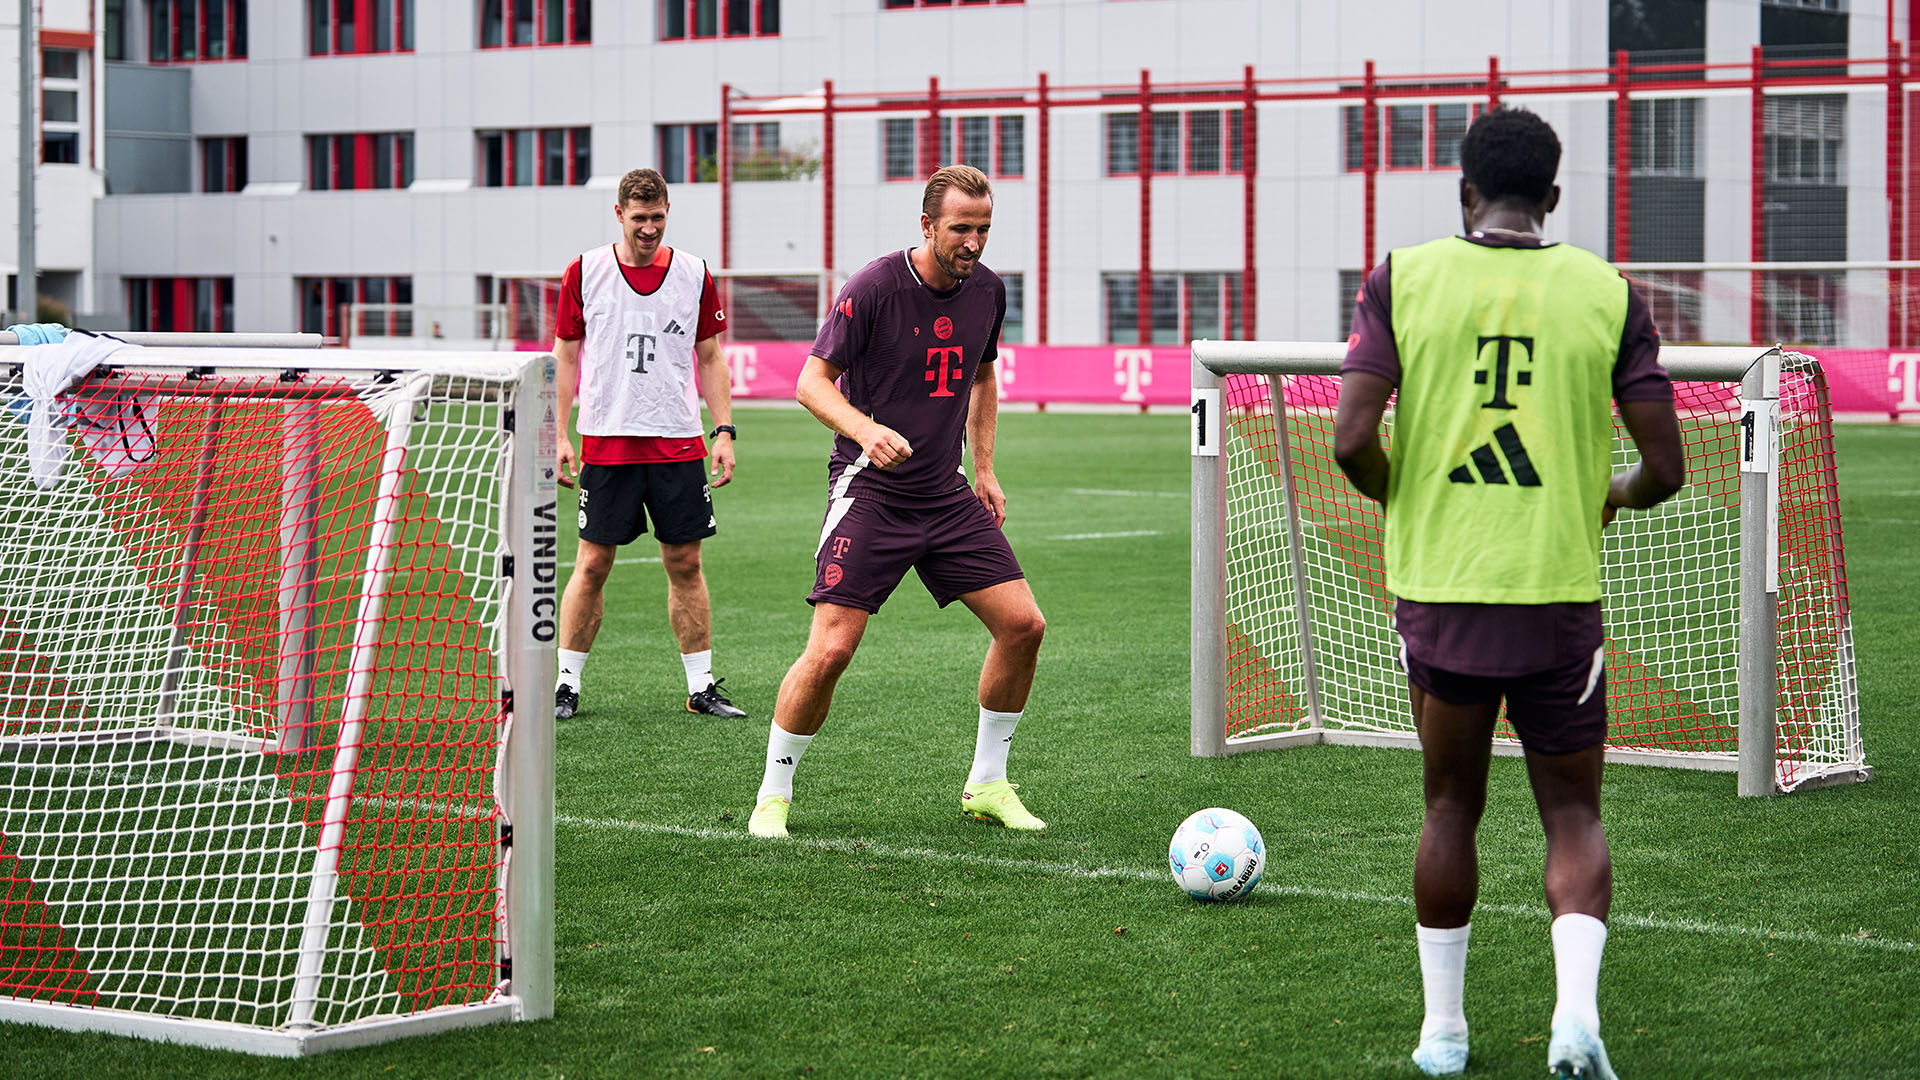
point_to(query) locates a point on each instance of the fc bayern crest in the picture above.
(943, 328)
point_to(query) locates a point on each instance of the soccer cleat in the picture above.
(566, 702)
(995, 801)
(1575, 1051)
(712, 702)
(770, 817)
(1444, 1053)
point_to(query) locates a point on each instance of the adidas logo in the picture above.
(673, 327)
(783, 761)
(1486, 461)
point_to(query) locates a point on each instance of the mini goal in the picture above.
(276, 739)
(1730, 642)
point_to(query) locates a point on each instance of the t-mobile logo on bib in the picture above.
(640, 351)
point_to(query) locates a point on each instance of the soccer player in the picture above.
(912, 339)
(649, 318)
(1506, 350)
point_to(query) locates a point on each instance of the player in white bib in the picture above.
(637, 333)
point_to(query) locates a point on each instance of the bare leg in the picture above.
(1456, 742)
(688, 609)
(583, 603)
(807, 691)
(1579, 873)
(1009, 613)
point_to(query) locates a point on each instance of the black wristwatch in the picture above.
(728, 428)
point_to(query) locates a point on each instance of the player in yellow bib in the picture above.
(1508, 352)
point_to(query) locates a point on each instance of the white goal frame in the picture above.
(521, 388)
(1756, 369)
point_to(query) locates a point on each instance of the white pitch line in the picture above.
(1106, 535)
(1077, 870)
(621, 562)
(1129, 494)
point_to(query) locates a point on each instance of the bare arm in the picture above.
(716, 388)
(566, 373)
(883, 446)
(1356, 432)
(983, 420)
(1662, 469)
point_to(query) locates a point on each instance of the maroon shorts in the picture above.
(1547, 661)
(866, 548)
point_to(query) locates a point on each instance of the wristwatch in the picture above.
(728, 428)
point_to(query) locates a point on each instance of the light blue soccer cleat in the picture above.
(1575, 1051)
(1444, 1053)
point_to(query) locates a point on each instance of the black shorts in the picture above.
(1557, 704)
(675, 493)
(866, 548)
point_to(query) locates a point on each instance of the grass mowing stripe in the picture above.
(1106, 535)
(1068, 869)
(1129, 494)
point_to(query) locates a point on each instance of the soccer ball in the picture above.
(1217, 855)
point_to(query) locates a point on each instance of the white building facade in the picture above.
(252, 165)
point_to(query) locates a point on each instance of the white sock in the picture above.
(572, 664)
(699, 670)
(1443, 972)
(783, 756)
(990, 745)
(1577, 943)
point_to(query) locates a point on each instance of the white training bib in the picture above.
(636, 364)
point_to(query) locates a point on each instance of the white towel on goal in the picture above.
(116, 427)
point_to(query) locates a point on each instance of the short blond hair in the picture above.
(643, 186)
(962, 178)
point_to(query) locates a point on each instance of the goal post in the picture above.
(1730, 640)
(276, 735)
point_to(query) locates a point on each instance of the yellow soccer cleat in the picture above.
(770, 817)
(995, 801)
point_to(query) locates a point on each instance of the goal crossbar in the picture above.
(1311, 658)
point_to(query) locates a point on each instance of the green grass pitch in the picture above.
(891, 937)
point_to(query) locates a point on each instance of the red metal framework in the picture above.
(1619, 82)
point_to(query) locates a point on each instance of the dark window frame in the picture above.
(683, 20)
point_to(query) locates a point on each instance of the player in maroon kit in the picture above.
(637, 321)
(911, 340)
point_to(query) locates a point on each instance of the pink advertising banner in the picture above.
(1862, 380)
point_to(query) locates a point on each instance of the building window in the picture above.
(113, 30)
(1194, 304)
(1663, 137)
(532, 304)
(689, 153)
(60, 106)
(60, 147)
(1013, 327)
(1673, 299)
(535, 157)
(756, 154)
(996, 145)
(223, 164)
(1200, 142)
(683, 20)
(323, 301)
(1414, 136)
(354, 27)
(59, 64)
(903, 5)
(1350, 283)
(359, 162)
(1806, 139)
(180, 305)
(507, 23)
(1803, 308)
(187, 30)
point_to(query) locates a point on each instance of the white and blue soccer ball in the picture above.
(1217, 855)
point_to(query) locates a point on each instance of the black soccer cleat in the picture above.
(712, 702)
(566, 702)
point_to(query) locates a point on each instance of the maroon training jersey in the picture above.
(909, 355)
